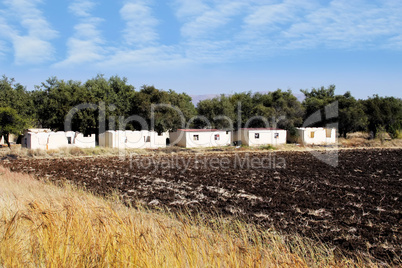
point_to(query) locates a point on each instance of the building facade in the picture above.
(127, 139)
(45, 139)
(191, 138)
(259, 136)
(313, 136)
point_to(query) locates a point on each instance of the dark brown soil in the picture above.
(356, 206)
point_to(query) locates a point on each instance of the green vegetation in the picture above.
(115, 104)
(10, 123)
(384, 114)
(274, 109)
(350, 116)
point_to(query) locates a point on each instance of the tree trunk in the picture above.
(6, 140)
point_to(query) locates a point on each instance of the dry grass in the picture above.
(359, 142)
(362, 140)
(44, 225)
(68, 152)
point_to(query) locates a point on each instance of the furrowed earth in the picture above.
(354, 204)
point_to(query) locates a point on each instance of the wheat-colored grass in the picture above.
(42, 225)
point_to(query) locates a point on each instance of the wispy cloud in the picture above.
(189, 8)
(3, 48)
(209, 28)
(141, 45)
(82, 8)
(346, 24)
(140, 23)
(337, 25)
(263, 15)
(33, 46)
(87, 43)
(201, 21)
(149, 57)
(216, 31)
(6, 32)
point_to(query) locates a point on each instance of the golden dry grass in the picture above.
(42, 225)
(360, 142)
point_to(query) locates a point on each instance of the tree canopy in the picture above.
(10, 123)
(15, 96)
(350, 115)
(273, 109)
(384, 112)
(100, 104)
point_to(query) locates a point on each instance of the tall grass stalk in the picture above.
(42, 225)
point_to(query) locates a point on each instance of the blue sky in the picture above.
(207, 46)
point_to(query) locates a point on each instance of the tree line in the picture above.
(154, 109)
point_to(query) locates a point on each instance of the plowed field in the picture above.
(356, 205)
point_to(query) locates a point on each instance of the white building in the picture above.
(79, 140)
(12, 139)
(191, 138)
(45, 139)
(128, 139)
(259, 136)
(314, 136)
(36, 138)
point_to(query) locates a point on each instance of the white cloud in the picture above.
(267, 23)
(29, 49)
(202, 21)
(216, 31)
(209, 29)
(5, 34)
(140, 23)
(145, 57)
(82, 8)
(82, 51)
(34, 47)
(6, 31)
(86, 45)
(338, 24)
(189, 8)
(275, 13)
(394, 42)
(88, 29)
(3, 48)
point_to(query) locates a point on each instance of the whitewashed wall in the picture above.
(265, 136)
(214, 138)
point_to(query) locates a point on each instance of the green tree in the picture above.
(350, 112)
(384, 113)
(281, 108)
(244, 107)
(16, 96)
(116, 96)
(352, 117)
(162, 110)
(219, 113)
(55, 98)
(315, 101)
(276, 109)
(10, 123)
